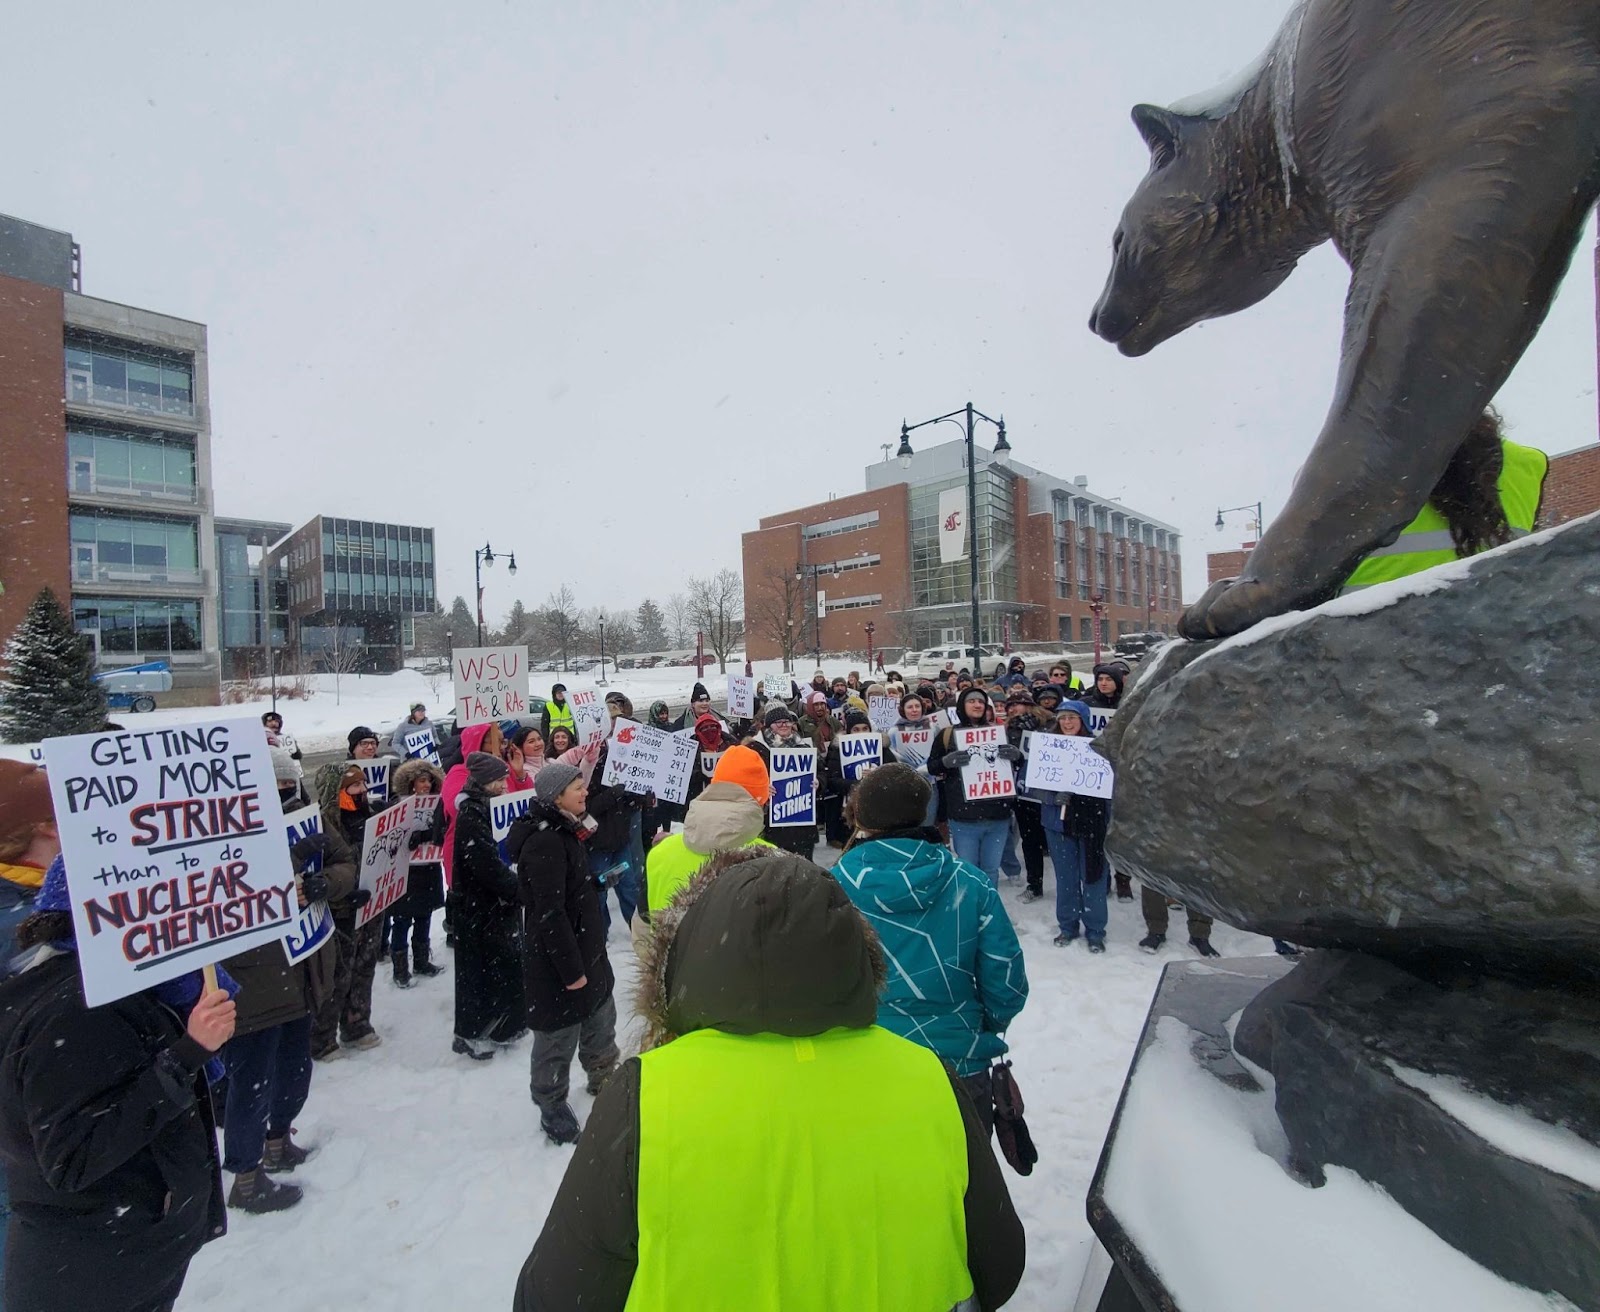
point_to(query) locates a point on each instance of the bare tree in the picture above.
(680, 619)
(341, 655)
(561, 623)
(716, 608)
(775, 609)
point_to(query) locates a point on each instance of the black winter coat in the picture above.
(484, 888)
(953, 791)
(564, 933)
(610, 806)
(108, 1143)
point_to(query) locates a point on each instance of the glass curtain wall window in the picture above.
(115, 546)
(129, 379)
(138, 627)
(145, 464)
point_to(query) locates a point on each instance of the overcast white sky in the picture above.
(607, 283)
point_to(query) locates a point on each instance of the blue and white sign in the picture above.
(376, 771)
(504, 811)
(420, 745)
(1099, 717)
(794, 787)
(859, 753)
(314, 925)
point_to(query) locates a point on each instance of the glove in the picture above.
(311, 845)
(315, 887)
(1006, 752)
(418, 839)
(954, 760)
(359, 898)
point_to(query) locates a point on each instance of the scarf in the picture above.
(23, 876)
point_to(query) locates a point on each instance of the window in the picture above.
(139, 627)
(155, 465)
(122, 547)
(130, 378)
(1085, 630)
(855, 562)
(831, 527)
(855, 603)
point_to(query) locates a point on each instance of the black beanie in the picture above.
(699, 694)
(360, 734)
(856, 720)
(776, 713)
(483, 769)
(893, 796)
(927, 701)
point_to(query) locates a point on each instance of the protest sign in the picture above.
(1099, 717)
(385, 858)
(32, 753)
(884, 712)
(504, 811)
(643, 759)
(420, 745)
(376, 772)
(588, 714)
(858, 753)
(423, 809)
(491, 683)
(741, 696)
(952, 714)
(912, 746)
(174, 848)
(708, 764)
(1069, 765)
(794, 787)
(313, 926)
(985, 776)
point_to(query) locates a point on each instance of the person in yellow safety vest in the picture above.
(1488, 495)
(557, 713)
(728, 813)
(772, 1148)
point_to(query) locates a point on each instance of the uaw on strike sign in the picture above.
(173, 841)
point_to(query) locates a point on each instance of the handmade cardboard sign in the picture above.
(491, 683)
(741, 696)
(386, 858)
(1059, 764)
(884, 712)
(588, 714)
(173, 841)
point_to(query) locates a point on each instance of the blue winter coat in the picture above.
(956, 977)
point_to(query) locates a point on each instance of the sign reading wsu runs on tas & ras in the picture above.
(173, 841)
(491, 683)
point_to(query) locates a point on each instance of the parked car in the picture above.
(934, 659)
(1133, 645)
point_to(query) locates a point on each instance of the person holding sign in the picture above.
(346, 1012)
(412, 915)
(779, 735)
(415, 723)
(1075, 829)
(106, 1128)
(980, 827)
(489, 1001)
(850, 757)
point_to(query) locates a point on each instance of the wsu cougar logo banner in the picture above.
(952, 525)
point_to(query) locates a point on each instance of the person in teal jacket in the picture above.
(956, 976)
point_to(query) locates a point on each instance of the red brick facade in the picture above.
(1572, 487)
(33, 449)
(1226, 564)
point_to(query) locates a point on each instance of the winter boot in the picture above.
(402, 968)
(467, 1049)
(1124, 887)
(422, 963)
(254, 1192)
(1032, 894)
(371, 1039)
(1066, 940)
(283, 1155)
(1203, 947)
(1097, 945)
(1152, 942)
(559, 1123)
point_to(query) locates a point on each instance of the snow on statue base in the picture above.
(1202, 1202)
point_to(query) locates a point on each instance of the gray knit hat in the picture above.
(484, 769)
(554, 780)
(893, 796)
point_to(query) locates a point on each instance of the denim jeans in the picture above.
(981, 843)
(1010, 866)
(269, 1076)
(618, 871)
(414, 928)
(1077, 899)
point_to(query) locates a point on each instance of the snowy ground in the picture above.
(433, 1179)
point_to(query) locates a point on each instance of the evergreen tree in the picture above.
(518, 627)
(462, 624)
(652, 627)
(49, 687)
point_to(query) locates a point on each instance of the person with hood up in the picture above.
(1022, 716)
(411, 917)
(557, 714)
(344, 1020)
(772, 1147)
(486, 738)
(958, 979)
(658, 812)
(713, 738)
(778, 732)
(567, 977)
(730, 813)
(268, 1058)
(107, 1134)
(979, 830)
(1107, 691)
(489, 1007)
(1014, 675)
(416, 721)
(1075, 829)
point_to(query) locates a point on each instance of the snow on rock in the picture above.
(433, 1180)
(1225, 1226)
(1513, 1131)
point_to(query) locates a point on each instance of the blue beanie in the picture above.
(53, 893)
(1078, 709)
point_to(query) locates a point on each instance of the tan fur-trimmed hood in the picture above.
(759, 942)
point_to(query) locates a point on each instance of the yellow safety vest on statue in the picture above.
(1426, 541)
(772, 1180)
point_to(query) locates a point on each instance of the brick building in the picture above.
(1047, 550)
(1227, 564)
(105, 465)
(1572, 488)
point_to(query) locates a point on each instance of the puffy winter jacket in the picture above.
(471, 739)
(724, 816)
(956, 977)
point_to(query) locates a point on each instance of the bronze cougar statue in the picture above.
(1451, 151)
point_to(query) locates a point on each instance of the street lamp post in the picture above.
(871, 629)
(1002, 453)
(1097, 608)
(788, 646)
(484, 555)
(816, 610)
(1231, 509)
(602, 679)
